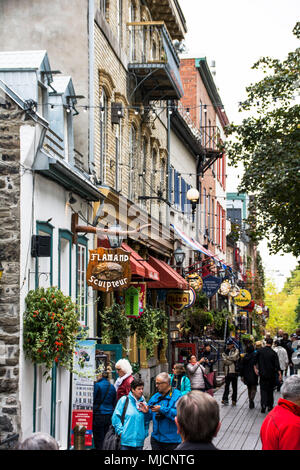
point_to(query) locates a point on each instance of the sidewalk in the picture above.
(240, 426)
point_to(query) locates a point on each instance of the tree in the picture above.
(268, 145)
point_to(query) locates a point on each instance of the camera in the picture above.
(159, 416)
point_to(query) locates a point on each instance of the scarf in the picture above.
(120, 380)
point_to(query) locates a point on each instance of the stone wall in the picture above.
(11, 117)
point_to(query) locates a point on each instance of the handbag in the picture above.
(112, 441)
(208, 381)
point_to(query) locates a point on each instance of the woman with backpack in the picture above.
(133, 428)
(104, 403)
(179, 379)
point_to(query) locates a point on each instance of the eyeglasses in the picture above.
(159, 383)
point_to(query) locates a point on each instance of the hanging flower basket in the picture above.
(50, 328)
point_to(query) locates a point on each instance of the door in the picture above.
(181, 351)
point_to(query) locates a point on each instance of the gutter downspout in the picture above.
(91, 125)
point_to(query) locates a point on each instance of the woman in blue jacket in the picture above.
(179, 379)
(136, 423)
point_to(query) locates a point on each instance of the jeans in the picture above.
(130, 448)
(230, 379)
(101, 424)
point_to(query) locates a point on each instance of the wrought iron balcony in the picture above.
(211, 139)
(154, 61)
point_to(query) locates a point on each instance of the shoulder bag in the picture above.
(112, 441)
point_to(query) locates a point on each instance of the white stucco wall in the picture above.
(41, 200)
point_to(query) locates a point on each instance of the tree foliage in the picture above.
(283, 304)
(268, 144)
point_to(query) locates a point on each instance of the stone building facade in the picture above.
(11, 118)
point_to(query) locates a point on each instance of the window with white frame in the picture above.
(132, 160)
(81, 279)
(118, 172)
(103, 134)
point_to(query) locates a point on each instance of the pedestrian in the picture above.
(281, 427)
(286, 343)
(122, 384)
(268, 368)
(209, 357)
(230, 357)
(137, 417)
(39, 441)
(296, 352)
(163, 411)
(197, 421)
(248, 374)
(258, 345)
(195, 370)
(179, 379)
(104, 403)
(283, 360)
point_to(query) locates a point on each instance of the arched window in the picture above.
(103, 134)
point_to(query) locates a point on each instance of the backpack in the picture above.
(112, 441)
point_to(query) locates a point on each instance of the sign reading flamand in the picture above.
(109, 269)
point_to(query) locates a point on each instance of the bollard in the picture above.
(79, 437)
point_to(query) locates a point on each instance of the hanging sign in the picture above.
(178, 299)
(234, 291)
(195, 281)
(142, 290)
(109, 269)
(225, 288)
(132, 302)
(192, 295)
(83, 389)
(243, 298)
(211, 285)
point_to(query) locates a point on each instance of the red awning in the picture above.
(169, 278)
(139, 266)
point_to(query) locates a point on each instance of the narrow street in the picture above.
(240, 426)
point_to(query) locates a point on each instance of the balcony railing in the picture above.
(211, 138)
(53, 144)
(153, 58)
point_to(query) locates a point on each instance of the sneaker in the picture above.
(233, 403)
(224, 402)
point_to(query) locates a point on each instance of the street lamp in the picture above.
(193, 196)
(115, 239)
(179, 256)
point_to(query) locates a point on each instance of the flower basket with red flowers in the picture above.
(50, 328)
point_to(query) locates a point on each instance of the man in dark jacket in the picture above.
(268, 368)
(287, 345)
(248, 374)
(197, 421)
(104, 403)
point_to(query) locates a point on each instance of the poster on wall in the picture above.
(83, 389)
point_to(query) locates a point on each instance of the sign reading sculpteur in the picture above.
(211, 285)
(109, 269)
(178, 299)
(243, 298)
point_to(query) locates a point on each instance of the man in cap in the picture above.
(230, 357)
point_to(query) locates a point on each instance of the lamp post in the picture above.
(115, 237)
(193, 196)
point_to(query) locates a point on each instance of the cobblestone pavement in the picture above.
(240, 426)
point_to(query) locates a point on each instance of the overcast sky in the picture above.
(235, 34)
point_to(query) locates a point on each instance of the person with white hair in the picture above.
(39, 441)
(122, 384)
(281, 427)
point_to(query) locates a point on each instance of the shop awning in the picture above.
(196, 245)
(140, 267)
(169, 278)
